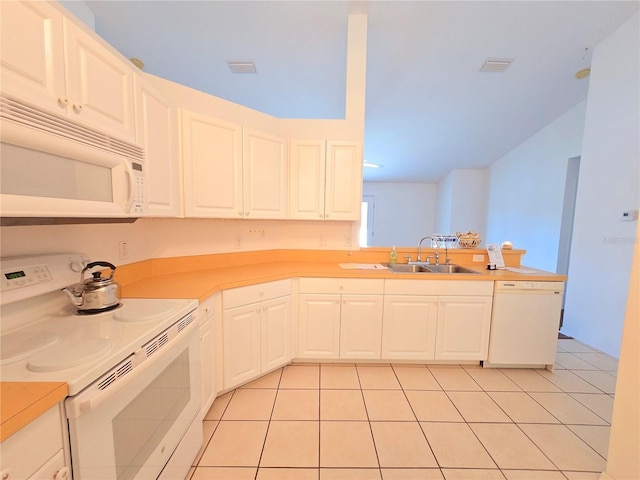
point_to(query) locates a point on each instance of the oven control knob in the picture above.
(61, 474)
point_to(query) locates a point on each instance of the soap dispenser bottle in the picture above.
(393, 256)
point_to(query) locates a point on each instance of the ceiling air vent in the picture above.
(241, 66)
(494, 65)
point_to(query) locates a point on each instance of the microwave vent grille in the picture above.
(19, 112)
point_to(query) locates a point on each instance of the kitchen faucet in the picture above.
(419, 259)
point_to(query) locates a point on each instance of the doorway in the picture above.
(367, 220)
(566, 226)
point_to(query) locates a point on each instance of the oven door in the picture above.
(130, 428)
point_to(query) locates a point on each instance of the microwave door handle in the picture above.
(129, 174)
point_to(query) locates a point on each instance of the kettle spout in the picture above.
(75, 297)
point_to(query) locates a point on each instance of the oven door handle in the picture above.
(141, 365)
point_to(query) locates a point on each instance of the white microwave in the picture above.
(51, 167)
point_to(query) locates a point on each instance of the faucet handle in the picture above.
(429, 257)
(408, 257)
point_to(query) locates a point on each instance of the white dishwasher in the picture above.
(524, 323)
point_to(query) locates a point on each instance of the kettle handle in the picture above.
(99, 264)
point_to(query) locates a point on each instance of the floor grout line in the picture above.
(566, 391)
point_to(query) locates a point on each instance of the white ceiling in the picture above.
(428, 109)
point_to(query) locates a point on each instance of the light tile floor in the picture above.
(392, 422)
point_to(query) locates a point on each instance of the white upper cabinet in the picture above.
(343, 181)
(157, 131)
(228, 174)
(264, 170)
(212, 162)
(32, 55)
(307, 172)
(50, 62)
(325, 180)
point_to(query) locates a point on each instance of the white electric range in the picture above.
(135, 368)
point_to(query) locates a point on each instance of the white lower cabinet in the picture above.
(318, 325)
(339, 318)
(256, 325)
(206, 318)
(436, 320)
(409, 327)
(462, 331)
(360, 326)
(36, 452)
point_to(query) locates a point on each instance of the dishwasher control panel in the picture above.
(526, 285)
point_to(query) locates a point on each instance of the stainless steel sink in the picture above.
(406, 268)
(427, 268)
(449, 269)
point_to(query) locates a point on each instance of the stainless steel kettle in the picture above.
(96, 294)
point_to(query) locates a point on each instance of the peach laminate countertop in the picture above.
(22, 402)
(201, 284)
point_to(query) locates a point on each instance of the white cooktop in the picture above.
(77, 349)
(44, 339)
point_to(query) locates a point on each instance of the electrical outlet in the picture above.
(237, 241)
(478, 258)
(323, 240)
(347, 241)
(123, 249)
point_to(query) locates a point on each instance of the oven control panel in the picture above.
(26, 277)
(23, 277)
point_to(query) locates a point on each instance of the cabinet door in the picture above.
(207, 364)
(212, 160)
(32, 53)
(241, 340)
(99, 84)
(409, 327)
(343, 191)
(264, 169)
(276, 333)
(157, 131)
(463, 328)
(44, 437)
(318, 326)
(306, 179)
(361, 326)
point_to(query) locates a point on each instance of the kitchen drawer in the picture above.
(207, 309)
(438, 287)
(361, 286)
(236, 297)
(44, 438)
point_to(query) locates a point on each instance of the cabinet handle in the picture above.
(61, 474)
(258, 310)
(63, 100)
(261, 294)
(241, 213)
(78, 107)
(246, 214)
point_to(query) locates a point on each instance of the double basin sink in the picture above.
(428, 268)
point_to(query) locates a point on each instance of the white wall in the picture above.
(156, 238)
(526, 190)
(466, 207)
(404, 212)
(444, 205)
(602, 245)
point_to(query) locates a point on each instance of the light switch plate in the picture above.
(478, 258)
